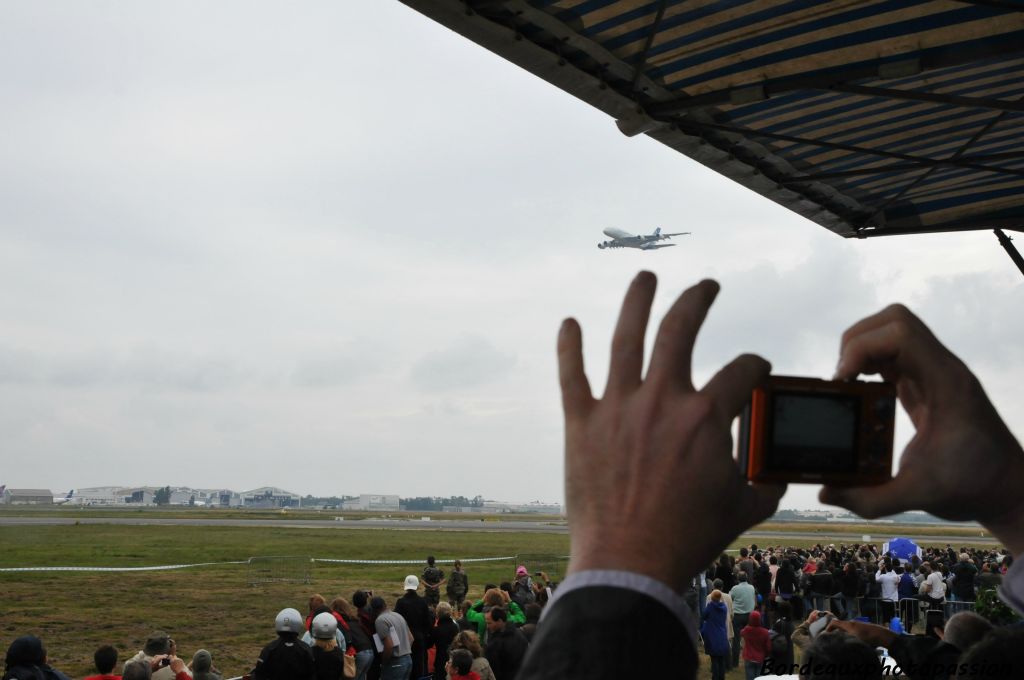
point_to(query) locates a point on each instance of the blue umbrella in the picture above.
(901, 548)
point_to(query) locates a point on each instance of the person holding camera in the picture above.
(630, 458)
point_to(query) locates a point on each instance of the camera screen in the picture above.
(813, 433)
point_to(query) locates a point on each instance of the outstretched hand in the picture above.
(963, 463)
(651, 485)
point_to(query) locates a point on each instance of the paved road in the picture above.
(457, 525)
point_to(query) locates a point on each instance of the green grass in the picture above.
(214, 607)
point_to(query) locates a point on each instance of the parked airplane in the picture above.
(623, 239)
(60, 500)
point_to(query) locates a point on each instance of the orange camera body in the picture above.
(811, 431)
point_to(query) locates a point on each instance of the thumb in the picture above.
(761, 501)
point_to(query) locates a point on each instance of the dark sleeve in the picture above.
(583, 636)
(911, 650)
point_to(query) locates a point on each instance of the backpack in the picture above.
(522, 593)
(779, 641)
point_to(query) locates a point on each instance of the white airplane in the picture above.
(60, 500)
(623, 239)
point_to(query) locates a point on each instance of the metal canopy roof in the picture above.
(869, 117)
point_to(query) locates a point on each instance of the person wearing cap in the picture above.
(328, 657)
(287, 657)
(522, 588)
(158, 644)
(395, 640)
(202, 666)
(416, 612)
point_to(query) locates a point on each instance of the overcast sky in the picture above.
(329, 249)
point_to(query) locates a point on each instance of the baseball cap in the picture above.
(411, 582)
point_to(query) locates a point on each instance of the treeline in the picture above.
(437, 503)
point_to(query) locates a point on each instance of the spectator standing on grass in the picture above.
(361, 641)
(416, 612)
(964, 571)
(889, 582)
(712, 631)
(727, 600)
(744, 600)
(441, 637)
(328, 656)
(287, 657)
(756, 645)
(457, 586)
(105, 659)
(202, 666)
(433, 579)
(158, 644)
(396, 639)
(26, 660)
(506, 644)
(470, 641)
(460, 667)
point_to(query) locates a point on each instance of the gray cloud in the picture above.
(470, 361)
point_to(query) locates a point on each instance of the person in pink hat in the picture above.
(522, 588)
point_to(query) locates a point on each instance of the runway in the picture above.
(555, 527)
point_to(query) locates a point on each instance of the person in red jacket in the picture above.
(756, 645)
(105, 659)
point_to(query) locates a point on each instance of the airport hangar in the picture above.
(869, 117)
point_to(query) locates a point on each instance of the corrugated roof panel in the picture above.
(867, 116)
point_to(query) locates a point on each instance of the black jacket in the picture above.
(506, 650)
(285, 660)
(582, 637)
(416, 612)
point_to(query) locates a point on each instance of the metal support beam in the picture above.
(917, 95)
(1007, 242)
(696, 127)
(642, 59)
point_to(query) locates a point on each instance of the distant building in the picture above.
(28, 497)
(534, 507)
(372, 502)
(270, 497)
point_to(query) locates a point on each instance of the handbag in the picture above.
(349, 669)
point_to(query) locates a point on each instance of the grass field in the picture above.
(214, 607)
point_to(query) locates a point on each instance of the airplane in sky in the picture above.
(623, 239)
(60, 500)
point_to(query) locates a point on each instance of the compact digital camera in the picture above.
(811, 431)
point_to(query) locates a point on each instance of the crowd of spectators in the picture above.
(757, 606)
(361, 637)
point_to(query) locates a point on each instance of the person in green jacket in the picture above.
(493, 598)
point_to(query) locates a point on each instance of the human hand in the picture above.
(654, 455)
(963, 463)
(177, 665)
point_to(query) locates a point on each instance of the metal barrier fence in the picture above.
(279, 569)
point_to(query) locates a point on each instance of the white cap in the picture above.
(411, 582)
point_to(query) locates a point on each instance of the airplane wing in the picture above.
(655, 246)
(678, 233)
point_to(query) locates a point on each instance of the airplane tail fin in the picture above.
(657, 231)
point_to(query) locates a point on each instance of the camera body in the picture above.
(811, 431)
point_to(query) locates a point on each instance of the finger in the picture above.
(628, 340)
(673, 348)
(730, 388)
(884, 339)
(760, 501)
(576, 395)
(897, 495)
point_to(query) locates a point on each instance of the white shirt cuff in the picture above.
(635, 582)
